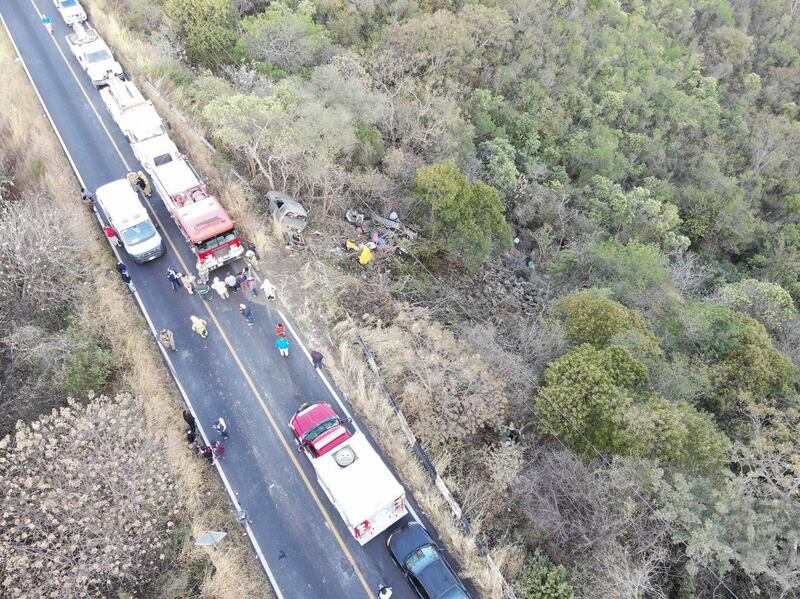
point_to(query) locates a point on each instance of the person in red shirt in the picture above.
(280, 331)
(112, 235)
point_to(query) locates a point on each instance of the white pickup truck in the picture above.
(355, 479)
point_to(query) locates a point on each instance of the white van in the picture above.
(130, 220)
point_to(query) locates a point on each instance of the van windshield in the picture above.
(137, 233)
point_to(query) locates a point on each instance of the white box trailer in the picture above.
(94, 55)
(363, 489)
(133, 114)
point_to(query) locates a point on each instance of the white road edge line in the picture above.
(164, 354)
(336, 397)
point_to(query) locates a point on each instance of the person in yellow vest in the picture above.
(139, 182)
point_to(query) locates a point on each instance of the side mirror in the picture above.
(300, 448)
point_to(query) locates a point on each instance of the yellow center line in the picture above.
(278, 430)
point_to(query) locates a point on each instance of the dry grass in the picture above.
(108, 312)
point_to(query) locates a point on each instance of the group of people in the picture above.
(233, 283)
(211, 452)
(178, 280)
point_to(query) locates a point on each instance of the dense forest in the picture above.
(599, 320)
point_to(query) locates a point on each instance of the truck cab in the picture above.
(94, 55)
(130, 220)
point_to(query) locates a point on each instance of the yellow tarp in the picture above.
(365, 256)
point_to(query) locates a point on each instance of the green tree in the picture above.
(636, 273)
(595, 320)
(462, 220)
(766, 302)
(498, 160)
(635, 215)
(207, 31)
(586, 394)
(677, 433)
(284, 37)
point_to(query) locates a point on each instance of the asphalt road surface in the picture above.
(235, 373)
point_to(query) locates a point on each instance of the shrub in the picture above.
(542, 579)
(768, 303)
(88, 370)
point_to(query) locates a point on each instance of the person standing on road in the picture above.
(167, 339)
(232, 283)
(174, 278)
(282, 343)
(245, 311)
(187, 416)
(121, 267)
(202, 272)
(218, 449)
(221, 288)
(221, 427)
(199, 326)
(139, 182)
(112, 235)
(48, 24)
(241, 280)
(384, 592)
(280, 331)
(268, 289)
(251, 259)
(189, 281)
(316, 358)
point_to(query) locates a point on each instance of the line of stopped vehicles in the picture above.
(353, 476)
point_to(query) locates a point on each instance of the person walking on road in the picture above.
(112, 235)
(174, 278)
(268, 289)
(189, 281)
(221, 288)
(199, 326)
(187, 416)
(280, 331)
(282, 343)
(232, 283)
(48, 24)
(316, 358)
(221, 427)
(245, 311)
(167, 339)
(202, 272)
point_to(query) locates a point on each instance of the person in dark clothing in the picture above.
(174, 279)
(121, 267)
(126, 278)
(190, 436)
(207, 453)
(316, 358)
(187, 416)
(245, 311)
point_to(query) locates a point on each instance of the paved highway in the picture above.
(235, 373)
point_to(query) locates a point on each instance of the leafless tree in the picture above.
(88, 506)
